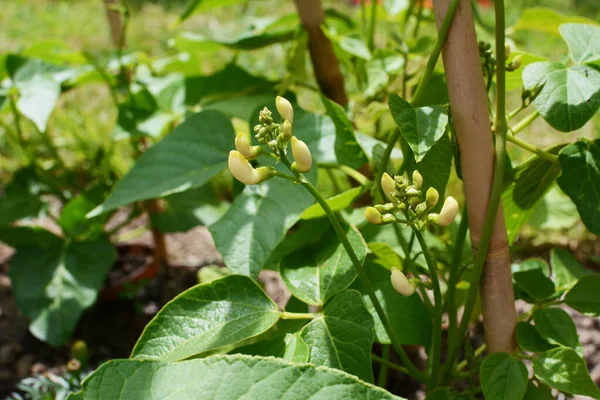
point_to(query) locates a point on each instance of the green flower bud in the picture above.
(431, 198)
(302, 156)
(417, 180)
(385, 207)
(242, 170)
(264, 116)
(412, 192)
(285, 109)
(286, 130)
(388, 185)
(400, 283)
(421, 208)
(506, 50)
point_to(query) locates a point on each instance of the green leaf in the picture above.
(338, 202)
(21, 197)
(206, 317)
(537, 393)
(55, 281)
(554, 212)
(580, 180)
(532, 181)
(530, 340)
(342, 336)
(73, 220)
(256, 222)
(193, 153)
(408, 316)
(546, 20)
(381, 70)
(563, 369)
(513, 78)
(316, 273)
(385, 255)
(557, 327)
(566, 269)
(582, 40)
(535, 283)
(569, 96)
(224, 377)
(436, 166)
(347, 149)
(503, 377)
(185, 210)
(421, 127)
(585, 295)
(198, 6)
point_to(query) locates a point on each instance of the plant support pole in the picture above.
(324, 61)
(470, 119)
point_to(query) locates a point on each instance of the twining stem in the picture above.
(372, 26)
(459, 242)
(524, 123)
(291, 315)
(389, 364)
(500, 128)
(531, 148)
(383, 371)
(463, 364)
(433, 57)
(437, 323)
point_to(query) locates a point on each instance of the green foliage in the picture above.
(557, 327)
(529, 338)
(249, 313)
(503, 377)
(581, 39)
(255, 377)
(566, 269)
(585, 295)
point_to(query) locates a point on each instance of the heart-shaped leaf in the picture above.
(566, 269)
(585, 295)
(503, 377)
(206, 317)
(557, 327)
(582, 40)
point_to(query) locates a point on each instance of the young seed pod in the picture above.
(242, 170)
(400, 283)
(242, 144)
(285, 108)
(302, 156)
(448, 213)
(431, 198)
(286, 130)
(388, 185)
(417, 180)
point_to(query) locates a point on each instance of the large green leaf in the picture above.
(206, 317)
(563, 369)
(529, 338)
(585, 295)
(566, 269)
(342, 336)
(290, 347)
(546, 20)
(532, 181)
(436, 167)
(256, 222)
(421, 127)
(539, 392)
(569, 96)
(316, 273)
(227, 377)
(73, 220)
(408, 316)
(580, 180)
(347, 149)
(557, 327)
(196, 151)
(503, 377)
(55, 281)
(582, 40)
(21, 197)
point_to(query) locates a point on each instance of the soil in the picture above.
(23, 355)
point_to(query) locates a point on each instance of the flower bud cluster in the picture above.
(276, 136)
(406, 197)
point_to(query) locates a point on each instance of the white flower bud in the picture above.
(448, 213)
(388, 185)
(302, 156)
(242, 144)
(400, 283)
(431, 198)
(506, 50)
(286, 130)
(417, 179)
(373, 216)
(242, 170)
(285, 109)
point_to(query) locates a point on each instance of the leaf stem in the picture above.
(383, 371)
(291, 315)
(524, 123)
(531, 148)
(389, 364)
(437, 323)
(500, 127)
(463, 364)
